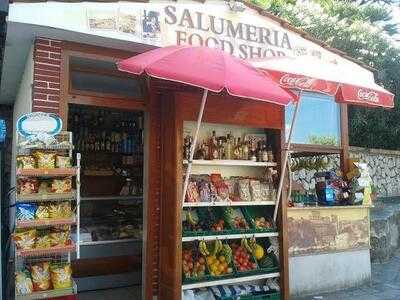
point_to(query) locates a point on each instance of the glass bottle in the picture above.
(245, 150)
(213, 146)
(228, 147)
(259, 152)
(265, 156)
(270, 154)
(236, 151)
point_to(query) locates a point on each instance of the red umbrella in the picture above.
(209, 69)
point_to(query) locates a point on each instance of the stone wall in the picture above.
(384, 168)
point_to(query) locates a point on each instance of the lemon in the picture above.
(258, 252)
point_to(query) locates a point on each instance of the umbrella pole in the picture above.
(192, 149)
(285, 159)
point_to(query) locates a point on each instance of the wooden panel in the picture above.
(152, 215)
(171, 209)
(344, 132)
(106, 265)
(231, 110)
(106, 102)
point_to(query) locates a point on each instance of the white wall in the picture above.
(22, 104)
(312, 274)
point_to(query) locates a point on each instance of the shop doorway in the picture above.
(105, 116)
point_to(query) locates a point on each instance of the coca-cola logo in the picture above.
(366, 95)
(296, 82)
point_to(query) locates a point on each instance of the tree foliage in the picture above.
(364, 30)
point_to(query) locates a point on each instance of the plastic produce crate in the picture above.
(251, 213)
(269, 296)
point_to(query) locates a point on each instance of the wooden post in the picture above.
(344, 136)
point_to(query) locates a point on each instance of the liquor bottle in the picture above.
(187, 144)
(228, 147)
(245, 150)
(236, 148)
(221, 148)
(213, 146)
(270, 154)
(103, 141)
(265, 157)
(97, 142)
(108, 143)
(259, 151)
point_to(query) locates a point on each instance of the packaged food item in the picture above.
(63, 161)
(60, 210)
(60, 236)
(61, 185)
(45, 160)
(26, 162)
(40, 273)
(27, 186)
(192, 194)
(255, 190)
(61, 275)
(43, 240)
(232, 189)
(23, 283)
(44, 187)
(223, 191)
(204, 191)
(25, 239)
(265, 191)
(244, 190)
(25, 211)
(42, 212)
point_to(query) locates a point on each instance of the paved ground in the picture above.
(385, 285)
(128, 293)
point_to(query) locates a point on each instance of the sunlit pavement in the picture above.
(385, 285)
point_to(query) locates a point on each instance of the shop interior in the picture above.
(109, 136)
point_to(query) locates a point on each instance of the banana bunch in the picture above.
(217, 247)
(190, 218)
(203, 248)
(253, 244)
(245, 244)
(227, 252)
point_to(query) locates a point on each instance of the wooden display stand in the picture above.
(181, 107)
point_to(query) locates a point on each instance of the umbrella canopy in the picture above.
(348, 84)
(207, 68)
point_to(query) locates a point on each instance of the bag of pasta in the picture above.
(26, 162)
(61, 185)
(23, 283)
(45, 160)
(61, 275)
(25, 239)
(40, 273)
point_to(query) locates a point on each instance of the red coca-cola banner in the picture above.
(301, 82)
(358, 95)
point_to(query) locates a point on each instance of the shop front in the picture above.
(133, 135)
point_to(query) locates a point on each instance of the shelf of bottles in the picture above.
(227, 160)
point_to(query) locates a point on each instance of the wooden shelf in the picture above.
(229, 281)
(45, 223)
(229, 203)
(224, 162)
(45, 197)
(115, 198)
(46, 252)
(56, 172)
(49, 294)
(228, 236)
(49, 147)
(95, 243)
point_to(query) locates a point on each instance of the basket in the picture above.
(229, 221)
(249, 272)
(223, 276)
(251, 213)
(273, 269)
(201, 215)
(187, 280)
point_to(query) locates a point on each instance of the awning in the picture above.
(347, 83)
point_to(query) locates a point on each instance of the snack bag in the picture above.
(244, 190)
(26, 162)
(255, 189)
(61, 275)
(27, 186)
(63, 161)
(42, 212)
(23, 283)
(25, 239)
(204, 190)
(45, 160)
(61, 185)
(25, 211)
(60, 236)
(40, 273)
(43, 240)
(60, 210)
(44, 187)
(192, 194)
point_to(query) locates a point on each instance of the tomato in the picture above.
(241, 269)
(202, 260)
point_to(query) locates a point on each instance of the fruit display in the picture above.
(218, 226)
(263, 223)
(191, 221)
(218, 257)
(242, 257)
(203, 221)
(193, 264)
(235, 218)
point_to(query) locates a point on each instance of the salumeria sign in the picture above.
(246, 34)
